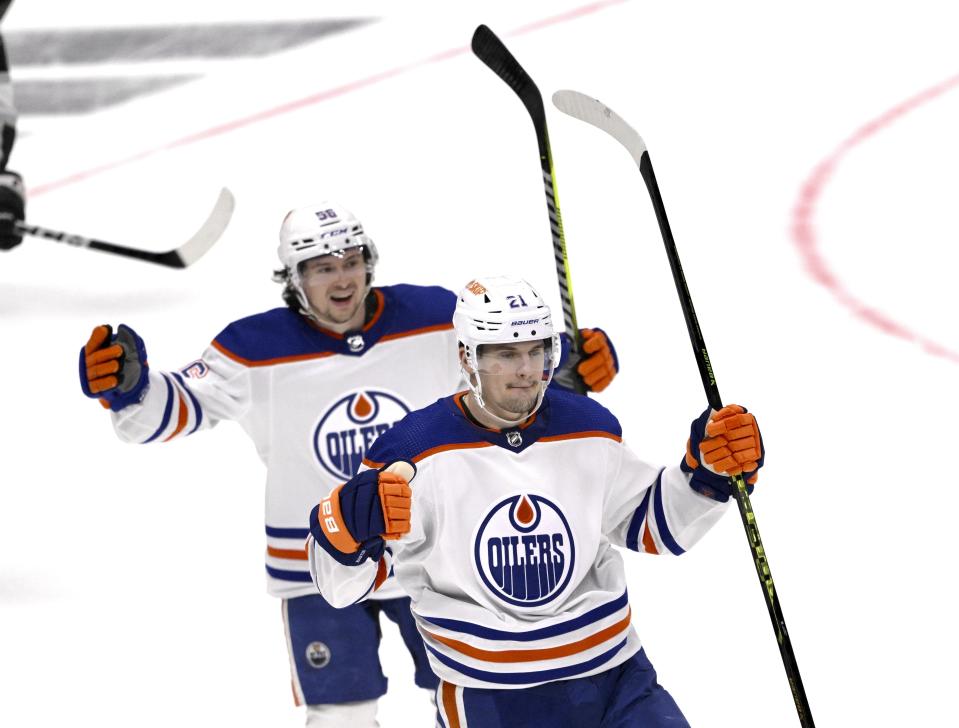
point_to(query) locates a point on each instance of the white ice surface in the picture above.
(131, 579)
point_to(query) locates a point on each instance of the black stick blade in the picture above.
(491, 51)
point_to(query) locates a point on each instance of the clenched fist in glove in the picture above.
(353, 522)
(11, 209)
(113, 368)
(599, 367)
(722, 444)
(595, 366)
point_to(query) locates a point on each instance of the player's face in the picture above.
(511, 375)
(335, 287)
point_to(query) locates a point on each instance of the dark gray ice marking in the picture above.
(82, 95)
(168, 42)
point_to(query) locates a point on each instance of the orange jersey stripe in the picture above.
(417, 332)
(267, 362)
(432, 451)
(181, 418)
(297, 554)
(579, 435)
(649, 546)
(449, 705)
(546, 653)
(381, 574)
(446, 448)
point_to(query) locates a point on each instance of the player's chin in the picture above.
(520, 401)
(341, 312)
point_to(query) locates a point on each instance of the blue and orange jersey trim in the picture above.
(537, 654)
(491, 655)
(652, 523)
(180, 405)
(445, 426)
(282, 336)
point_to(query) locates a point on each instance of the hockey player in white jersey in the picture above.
(313, 385)
(505, 542)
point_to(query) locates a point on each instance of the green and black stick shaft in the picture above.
(490, 49)
(601, 116)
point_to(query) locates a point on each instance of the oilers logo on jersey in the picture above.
(348, 428)
(523, 550)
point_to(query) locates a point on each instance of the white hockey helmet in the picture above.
(503, 310)
(326, 228)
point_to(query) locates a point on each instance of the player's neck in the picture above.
(493, 421)
(355, 322)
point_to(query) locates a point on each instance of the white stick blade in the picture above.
(204, 238)
(595, 112)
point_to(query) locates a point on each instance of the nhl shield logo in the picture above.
(355, 343)
(349, 426)
(523, 551)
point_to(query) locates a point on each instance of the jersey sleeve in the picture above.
(343, 585)
(654, 509)
(179, 403)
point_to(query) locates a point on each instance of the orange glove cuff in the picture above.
(333, 525)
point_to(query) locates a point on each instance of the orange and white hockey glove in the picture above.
(353, 522)
(722, 444)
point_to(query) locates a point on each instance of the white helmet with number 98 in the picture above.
(326, 228)
(502, 310)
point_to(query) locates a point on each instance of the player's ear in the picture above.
(465, 365)
(464, 362)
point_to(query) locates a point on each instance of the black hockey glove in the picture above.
(11, 209)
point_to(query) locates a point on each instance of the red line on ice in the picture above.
(804, 230)
(316, 98)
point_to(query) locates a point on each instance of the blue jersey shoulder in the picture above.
(273, 334)
(420, 433)
(412, 307)
(569, 413)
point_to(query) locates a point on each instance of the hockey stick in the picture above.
(491, 51)
(181, 257)
(601, 116)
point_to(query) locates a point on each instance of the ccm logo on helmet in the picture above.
(349, 426)
(523, 551)
(334, 233)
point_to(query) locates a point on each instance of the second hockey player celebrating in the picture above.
(313, 385)
(505, 542)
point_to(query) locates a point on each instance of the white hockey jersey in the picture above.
(510, 561)
(311, 400)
